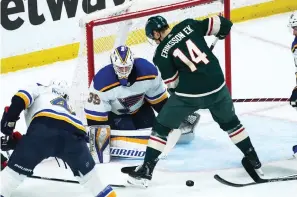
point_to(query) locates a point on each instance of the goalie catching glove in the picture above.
(293, 98)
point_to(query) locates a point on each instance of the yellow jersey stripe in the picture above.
(158, 100)
(60, 117)
(146, 77)
(24, 97)
(133, 140)
(97, 118)
(109, 86)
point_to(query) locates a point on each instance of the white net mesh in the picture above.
(131, 33)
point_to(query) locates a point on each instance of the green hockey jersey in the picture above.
(186, 62)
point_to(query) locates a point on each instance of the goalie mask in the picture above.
(122, 60)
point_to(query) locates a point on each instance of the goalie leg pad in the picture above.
(10, 180)
(100, 143)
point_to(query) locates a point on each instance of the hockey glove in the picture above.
(11, 142)
(224, 28)
(293, 98)
(7, 125)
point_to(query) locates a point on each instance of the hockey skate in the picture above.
(142, 175)
(252, 157)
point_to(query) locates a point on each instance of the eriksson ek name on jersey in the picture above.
(176, 39)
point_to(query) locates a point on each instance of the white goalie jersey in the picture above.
(107, 95)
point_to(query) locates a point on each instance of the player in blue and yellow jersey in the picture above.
(53, 131)
(125, 93)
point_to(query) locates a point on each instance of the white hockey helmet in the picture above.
(122, 60)
(60, 87)
(293, 20)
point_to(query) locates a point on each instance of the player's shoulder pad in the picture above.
(105, 79)
(145, 70)
(294, 45)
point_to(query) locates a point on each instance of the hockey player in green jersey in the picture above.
(193, 73)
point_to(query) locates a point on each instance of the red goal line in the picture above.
(261, 100)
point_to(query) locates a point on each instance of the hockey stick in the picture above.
(250, 170)
(66, 180)
(253, 174)
(214, 43)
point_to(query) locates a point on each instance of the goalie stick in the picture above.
(253, 174)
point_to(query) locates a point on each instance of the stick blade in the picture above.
(225, 182)
(250, 170)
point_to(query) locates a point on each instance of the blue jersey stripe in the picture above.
(95, 113)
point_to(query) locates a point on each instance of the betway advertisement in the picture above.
(33, 25)
(29, 25)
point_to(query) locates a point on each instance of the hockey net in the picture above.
(124, 24)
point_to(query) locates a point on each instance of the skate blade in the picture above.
(142, 183)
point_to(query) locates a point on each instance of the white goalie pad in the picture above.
(128, 143)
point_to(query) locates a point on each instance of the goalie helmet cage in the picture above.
(124, 24)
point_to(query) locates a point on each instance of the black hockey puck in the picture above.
(190, 183)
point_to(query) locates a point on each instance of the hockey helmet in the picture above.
(122, 60)
(155, 23)
(60, 87)
(293, 20)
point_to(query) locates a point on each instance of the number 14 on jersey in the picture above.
(195, 53)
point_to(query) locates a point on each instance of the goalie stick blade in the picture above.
(225, 182)
(127, 170)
